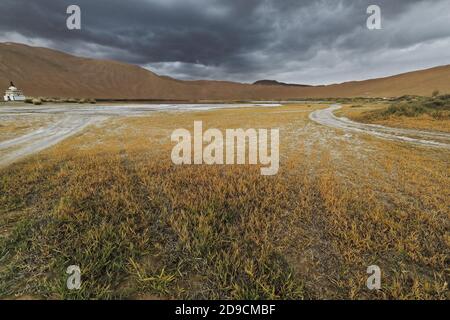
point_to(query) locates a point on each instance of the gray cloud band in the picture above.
(298, 41)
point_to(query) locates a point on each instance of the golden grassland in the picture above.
(111, 201)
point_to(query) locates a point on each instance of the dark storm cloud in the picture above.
(307, 41)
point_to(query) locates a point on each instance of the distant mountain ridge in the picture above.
(50, 73)
(278, 83)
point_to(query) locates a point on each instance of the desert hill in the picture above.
(49, 73)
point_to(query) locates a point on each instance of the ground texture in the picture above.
(109, 200)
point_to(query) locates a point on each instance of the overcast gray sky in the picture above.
(302, 41)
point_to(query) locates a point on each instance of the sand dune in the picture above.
(50, 73)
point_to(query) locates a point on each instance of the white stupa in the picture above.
(13, 94)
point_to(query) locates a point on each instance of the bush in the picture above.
(437, 107)
(53, 100)
(37, 102)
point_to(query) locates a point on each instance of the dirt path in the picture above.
(326, 117)
(44, 138)
(75, 118)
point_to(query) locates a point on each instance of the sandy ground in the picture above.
(119, 110)
(425, 138)
(44, 137)
(72, 119)
(69, 120)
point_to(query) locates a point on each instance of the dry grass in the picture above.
(111, 202)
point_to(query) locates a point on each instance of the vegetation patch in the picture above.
(437, 108)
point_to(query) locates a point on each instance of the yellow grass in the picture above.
(110, 201)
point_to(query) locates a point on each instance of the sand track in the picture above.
(326, 117)
(44, 137)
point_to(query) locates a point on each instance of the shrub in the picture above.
(37, 102)
(438, 108)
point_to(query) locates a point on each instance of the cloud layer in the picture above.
(303, 41)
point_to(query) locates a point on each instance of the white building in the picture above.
(13, 94)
